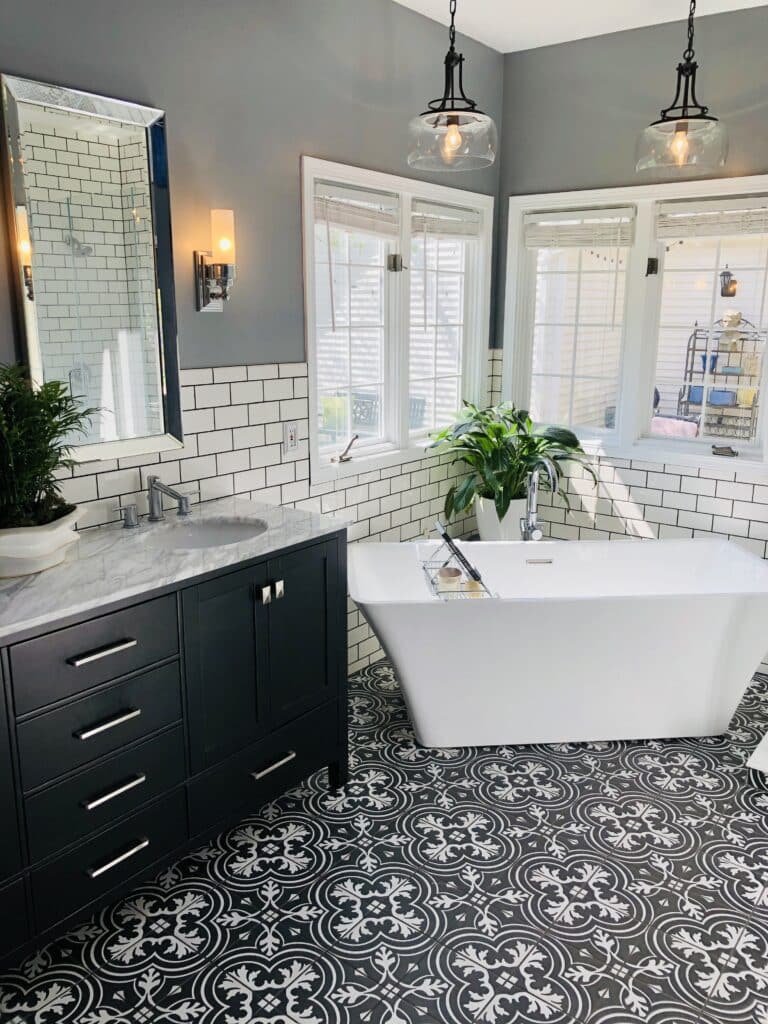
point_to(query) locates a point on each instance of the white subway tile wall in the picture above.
(233, 444)
(654, 500)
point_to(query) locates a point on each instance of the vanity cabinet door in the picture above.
(225, 647)
(303, 630)
(10, 846)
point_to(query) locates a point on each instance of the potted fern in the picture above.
(501, 446)
(36, 429)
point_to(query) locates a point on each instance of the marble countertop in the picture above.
(110, 563)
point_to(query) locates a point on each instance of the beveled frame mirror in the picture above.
(88, 212)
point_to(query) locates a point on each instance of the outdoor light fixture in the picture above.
(24, 243)
(215, 270)
(452, 134)
(728, 283)
(686, 139)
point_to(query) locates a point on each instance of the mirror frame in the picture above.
(14, 88)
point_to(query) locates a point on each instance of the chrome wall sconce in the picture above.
(728, 283)
(215, 269)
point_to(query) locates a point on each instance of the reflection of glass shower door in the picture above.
(90, 371)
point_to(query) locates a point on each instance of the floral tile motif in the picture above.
(594, 883)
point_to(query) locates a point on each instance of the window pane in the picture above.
(366, 413)
(333, 419)
(578, 334)
(440, 261)
(710, 347)
(367, 347)
(551, 399)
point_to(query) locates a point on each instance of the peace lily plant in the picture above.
(37, 425)
(502, 445)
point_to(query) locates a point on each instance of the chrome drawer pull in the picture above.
(102, 652)
(142, 844)
(273, 767)
(97, 801)
(110, 723)
(279, 589)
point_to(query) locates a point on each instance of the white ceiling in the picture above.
(508, 26)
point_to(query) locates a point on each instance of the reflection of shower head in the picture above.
(77, 247)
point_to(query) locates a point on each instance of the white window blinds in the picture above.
(448, 221)
(359, 210)
(715, 218)
(580, 228)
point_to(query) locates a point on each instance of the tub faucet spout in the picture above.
(529, 524)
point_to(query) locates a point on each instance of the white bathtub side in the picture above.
(499, 672)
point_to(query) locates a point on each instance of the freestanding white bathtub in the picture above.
(607, 640)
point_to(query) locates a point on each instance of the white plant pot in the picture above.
(490, 528)
(25, 550)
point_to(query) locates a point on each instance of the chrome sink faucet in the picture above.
(155, 491)
(529, 524)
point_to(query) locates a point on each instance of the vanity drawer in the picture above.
(89, 871)
(267, 768)
(98, 796)
(71, 736)
(71, 660)
(13, 913)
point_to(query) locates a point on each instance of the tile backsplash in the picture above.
(233, 444)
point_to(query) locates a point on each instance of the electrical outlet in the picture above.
(290, 436)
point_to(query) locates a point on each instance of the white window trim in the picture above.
(474, 362)
(638, 351)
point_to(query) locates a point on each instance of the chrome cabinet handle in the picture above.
(266, 595)
(103, 798)
(109, 723)
(279, 589)
(102, 652)
(273, 767)
(101, 869)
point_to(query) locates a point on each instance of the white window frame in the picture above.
(643, 297)
(403, 448)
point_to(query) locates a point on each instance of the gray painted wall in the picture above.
(572, 112)
(248, 86)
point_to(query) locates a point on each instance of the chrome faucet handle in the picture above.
(184, 509)
(129, 515)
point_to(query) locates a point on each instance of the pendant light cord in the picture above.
(689, 52)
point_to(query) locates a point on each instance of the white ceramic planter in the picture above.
(488, 525)
(25, 550)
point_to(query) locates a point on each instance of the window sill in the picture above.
(693, 455)
(322, 470)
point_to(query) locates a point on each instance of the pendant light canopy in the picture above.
(687, 139)
(452, 134)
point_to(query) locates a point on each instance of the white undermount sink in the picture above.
(214, 532)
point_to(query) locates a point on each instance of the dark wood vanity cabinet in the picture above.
(131, 735)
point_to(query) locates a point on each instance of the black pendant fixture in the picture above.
(686, 139)
(452, 134)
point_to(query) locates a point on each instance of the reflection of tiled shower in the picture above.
(91, 228)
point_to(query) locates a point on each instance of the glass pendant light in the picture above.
(687, 139)
(452, 134)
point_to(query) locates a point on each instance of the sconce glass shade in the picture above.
(223, 236)
(447, 140)
(692, 146)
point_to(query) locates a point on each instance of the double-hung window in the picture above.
(397, 293)
(639, 317)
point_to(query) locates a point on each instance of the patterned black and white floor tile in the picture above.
(605, 883)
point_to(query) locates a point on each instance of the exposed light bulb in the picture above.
(680, 145)
(452, 142)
